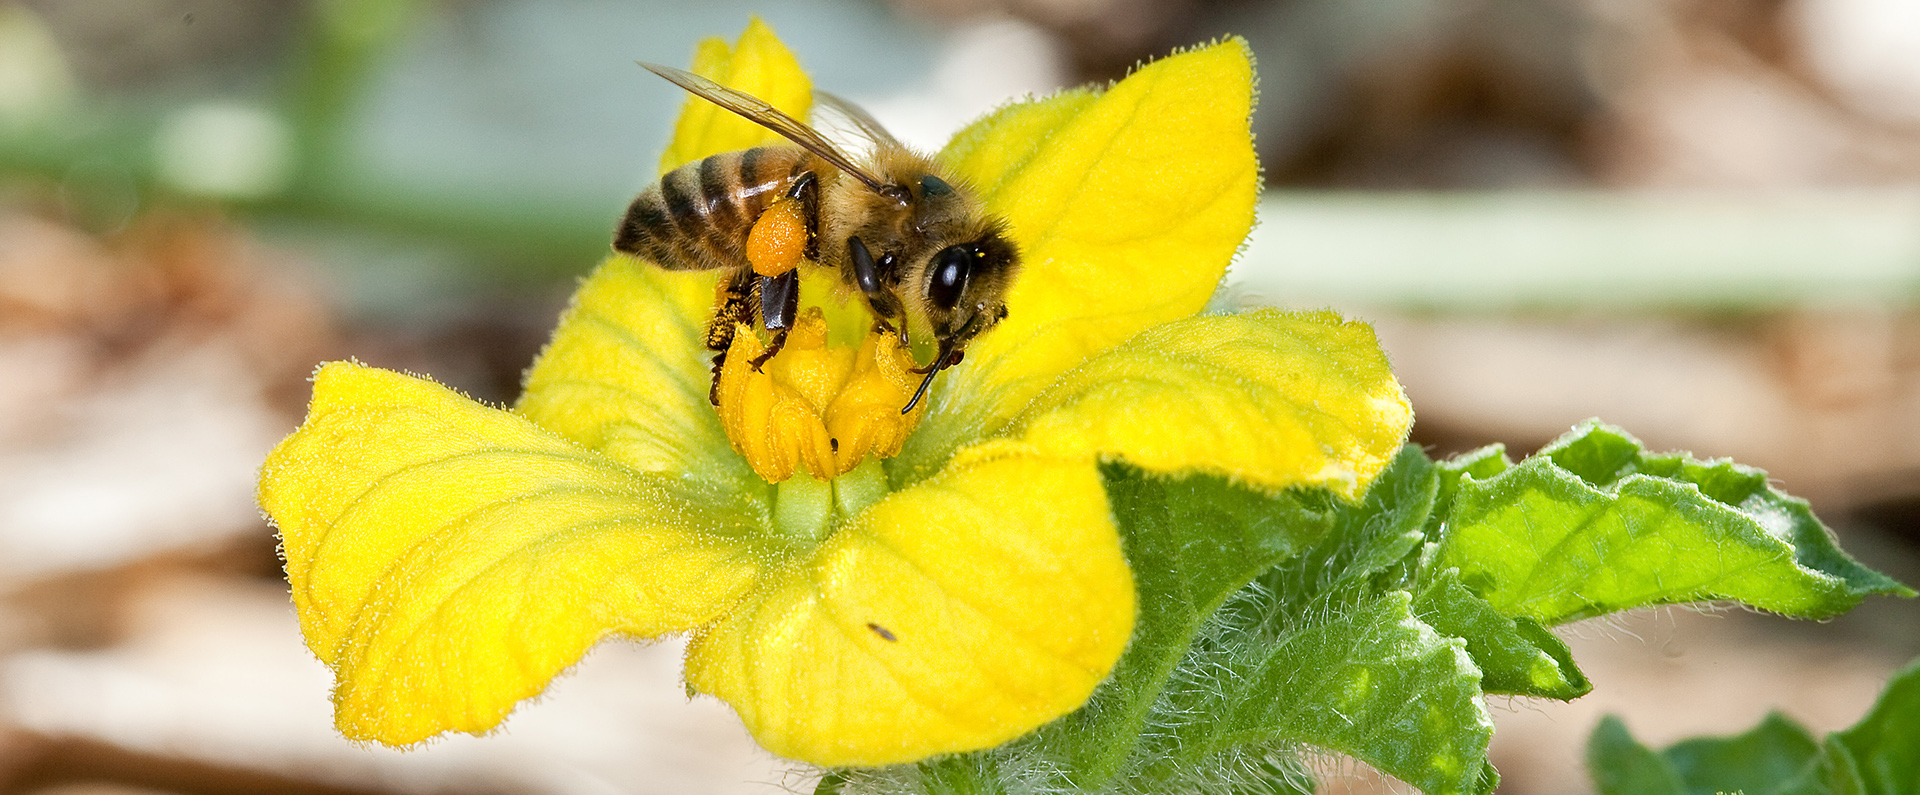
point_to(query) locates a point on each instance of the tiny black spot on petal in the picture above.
(882, 632)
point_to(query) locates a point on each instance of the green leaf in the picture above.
(1325, 651)
(1516, 656)
(1371, 682)
(1880, 755)
(1764, 761)
(1620, 765)
(1191, 542)
(1592, 525)
(832, 782)
(1480, 464)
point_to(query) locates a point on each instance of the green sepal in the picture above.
(1591, 525)
(1516, 656)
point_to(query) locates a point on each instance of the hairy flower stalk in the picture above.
(862, 587)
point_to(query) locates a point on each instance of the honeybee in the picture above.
(902, 233)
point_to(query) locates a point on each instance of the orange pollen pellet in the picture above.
(778, 239)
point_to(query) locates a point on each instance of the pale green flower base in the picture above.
(805, 509)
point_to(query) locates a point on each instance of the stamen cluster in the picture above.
(816, 407)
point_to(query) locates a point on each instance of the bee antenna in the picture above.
(924, 383)
(950, 353)
(948, 357)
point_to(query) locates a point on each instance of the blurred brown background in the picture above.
(1698, 219)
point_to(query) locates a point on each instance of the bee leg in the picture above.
(948, 357)
(783, 236)
(733, 306)
(883, 326)
(924, 383)
(869, 277)
(806, 190)
(779, 304)
(719, 363)
(773, 347)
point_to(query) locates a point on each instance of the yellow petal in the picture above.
(448, 559)
(1127, 208)
(627, 374)
(955, 615)
(998, 147)
(1269, 399)
(759, 65)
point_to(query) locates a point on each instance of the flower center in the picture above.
(816, 407)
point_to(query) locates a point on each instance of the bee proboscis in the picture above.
(899, 230)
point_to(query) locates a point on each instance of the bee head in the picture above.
(964, 291)
(964, 286)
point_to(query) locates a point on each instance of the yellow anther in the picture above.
(866, 416)
(778, 239)
(814, 407)
(807, 364)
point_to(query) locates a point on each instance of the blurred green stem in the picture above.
(345, 43)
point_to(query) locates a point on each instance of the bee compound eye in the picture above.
(947, 278)
(931, 185)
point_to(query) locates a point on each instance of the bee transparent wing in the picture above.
(859, 118)
(770, 117)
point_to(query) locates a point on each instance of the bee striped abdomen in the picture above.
(697, 217)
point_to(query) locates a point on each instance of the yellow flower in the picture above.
(448, 559)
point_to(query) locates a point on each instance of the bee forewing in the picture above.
(831, 108)
(759, 112)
